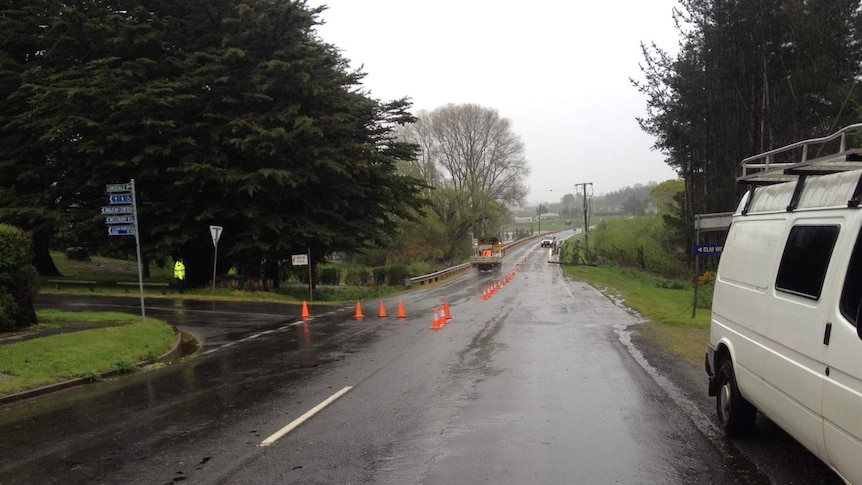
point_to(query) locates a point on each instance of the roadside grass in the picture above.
(665, 304)
(640, 242)
(120, 344)
(62, 319)
(106, 270)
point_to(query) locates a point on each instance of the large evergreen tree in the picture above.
(224, 112)
(750, 76)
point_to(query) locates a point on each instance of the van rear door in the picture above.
(792, 362)
(842, 381)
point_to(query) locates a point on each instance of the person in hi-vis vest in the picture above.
(180, 274)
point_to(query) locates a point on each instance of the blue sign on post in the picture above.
(120, 220)
(121, 230)
(708, 249)
(120, 199)
(118, 209)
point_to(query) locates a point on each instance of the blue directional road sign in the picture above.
(118, 209)
(120, 199)
(708, 249)
(121, 230)
(120, 220)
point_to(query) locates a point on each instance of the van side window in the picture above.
(851, 295)
(805, 260)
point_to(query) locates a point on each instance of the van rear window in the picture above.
(805, 260)
(851, 295)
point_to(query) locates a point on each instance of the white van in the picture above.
(785, 336)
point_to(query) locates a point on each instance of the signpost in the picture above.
(122, 200)
(215, 232)
(717, 222)
(302, 260)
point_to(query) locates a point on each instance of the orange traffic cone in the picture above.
(382, 310)
(305, 310)
(436, 323)
(358, 311)
(401, 313)
(484, 293)
(446, 312)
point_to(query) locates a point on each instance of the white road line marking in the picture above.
(296, 422)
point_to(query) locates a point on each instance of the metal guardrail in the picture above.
(439, 275)
(447, 273)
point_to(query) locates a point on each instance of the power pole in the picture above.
(586, 217)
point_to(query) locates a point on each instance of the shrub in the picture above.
(418, 268)
(330, 276)
(704, 296)
(706, 279)
(298, 274)
(379, 273)
(396, 274)
(18, 279)
(669, 284)
(7, 310)
(358, 277)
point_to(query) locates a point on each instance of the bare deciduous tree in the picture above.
(479, 152)
(474, 161)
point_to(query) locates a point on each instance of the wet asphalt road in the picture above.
(532, 385)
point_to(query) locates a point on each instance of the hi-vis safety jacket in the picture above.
(179, 270)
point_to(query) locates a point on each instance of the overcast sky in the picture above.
(559, 70)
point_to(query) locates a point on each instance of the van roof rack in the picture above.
(788, 163)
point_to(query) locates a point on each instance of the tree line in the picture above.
(749, 76)
(233, 114)
(227, 113)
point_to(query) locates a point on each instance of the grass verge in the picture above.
(665, 304)
(120, 344)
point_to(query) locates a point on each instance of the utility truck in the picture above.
(488, 254)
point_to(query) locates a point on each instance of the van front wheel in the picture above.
(735, 414)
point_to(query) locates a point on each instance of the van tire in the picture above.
(735, 414)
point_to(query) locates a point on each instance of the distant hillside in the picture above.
(628, 200)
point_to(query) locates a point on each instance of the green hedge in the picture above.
(358, 277)
(379, 273)
(396, 274)
(330, 276)
(18, 279)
